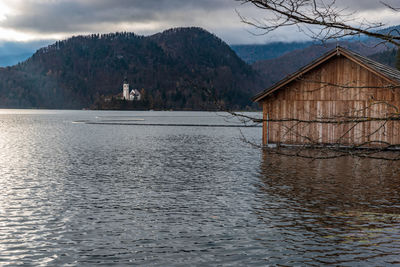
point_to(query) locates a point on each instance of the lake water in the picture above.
(84, 188)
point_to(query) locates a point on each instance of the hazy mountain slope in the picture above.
(256, 52)
(276, 69)
(387, 57)
(253, 53)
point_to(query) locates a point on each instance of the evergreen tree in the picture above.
(398, 58)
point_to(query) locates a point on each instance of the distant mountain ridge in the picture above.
(273, 70)
(252, 53)
(182, 68)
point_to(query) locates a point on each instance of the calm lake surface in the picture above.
(84, 188)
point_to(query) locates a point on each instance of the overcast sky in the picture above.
(59, 19)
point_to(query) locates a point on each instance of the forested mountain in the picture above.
(387, 57)
(273, 70)
(182, 68)
(177, 69)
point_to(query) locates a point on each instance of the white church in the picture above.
(133, 95)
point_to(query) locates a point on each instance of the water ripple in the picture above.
(80, 194)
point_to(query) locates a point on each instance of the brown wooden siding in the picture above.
(309, 98)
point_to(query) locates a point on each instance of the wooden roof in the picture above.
(390, 74)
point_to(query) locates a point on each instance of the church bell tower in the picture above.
(125, 89)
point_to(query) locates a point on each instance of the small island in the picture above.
(126, 100)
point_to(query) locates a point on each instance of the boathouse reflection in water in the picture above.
(337, 211)
(336, 184)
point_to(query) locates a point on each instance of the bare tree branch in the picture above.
(390, 7)
(328, 21)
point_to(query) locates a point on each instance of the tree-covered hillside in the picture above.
(177, 69)
(273, 70)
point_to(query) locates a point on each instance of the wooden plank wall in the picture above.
(309, 99)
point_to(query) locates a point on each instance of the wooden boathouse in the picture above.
(341, 98)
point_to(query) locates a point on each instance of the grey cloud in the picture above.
(366, 5)
(69, 17)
